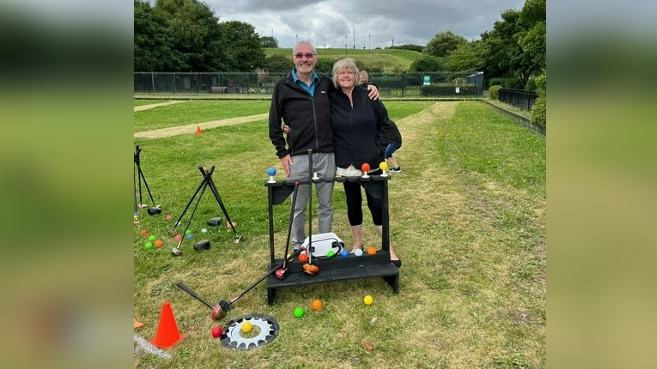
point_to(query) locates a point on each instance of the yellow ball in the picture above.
(368, 300)
(247, 327)
(383, 165)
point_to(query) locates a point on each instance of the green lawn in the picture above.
(468, 219)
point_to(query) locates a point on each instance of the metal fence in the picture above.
(433, 84)
(519, 98)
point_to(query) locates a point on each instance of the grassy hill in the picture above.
(388, 60)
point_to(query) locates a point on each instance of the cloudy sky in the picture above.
(376, 23)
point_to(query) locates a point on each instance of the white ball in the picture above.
(204, 230)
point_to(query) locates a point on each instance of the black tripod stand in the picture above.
(205, 183)
(139, 177)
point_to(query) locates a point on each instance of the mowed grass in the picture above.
(196, 111)
(467, 222)
(388, 60)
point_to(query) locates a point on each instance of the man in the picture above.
(363, 77)
(301, 102)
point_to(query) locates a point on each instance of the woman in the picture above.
(360, 135)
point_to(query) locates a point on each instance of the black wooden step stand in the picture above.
(336, 268)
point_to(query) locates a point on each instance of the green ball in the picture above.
(298, 312)
(330, 254)
(152, 238)
(148, 246)
(188, 231)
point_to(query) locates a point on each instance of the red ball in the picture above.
(365, 168)
(217, 332)
(143, 232)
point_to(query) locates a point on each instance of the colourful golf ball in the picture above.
(344, 253)
(368, 300)
(247, 327)
(298, 312)
(358, 252)
(152, 238)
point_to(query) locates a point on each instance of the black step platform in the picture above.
(336, 269)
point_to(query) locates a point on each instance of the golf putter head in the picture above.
(202, 245)
(310, 269)
(176, 251)
(238, 239)
(215, 222)
(282, 273)
(220, 310)
(154, 210)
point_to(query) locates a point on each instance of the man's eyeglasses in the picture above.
(307, 55)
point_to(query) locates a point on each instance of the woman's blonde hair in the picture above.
(346, 64)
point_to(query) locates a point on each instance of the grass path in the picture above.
(191, 128)
(151, 106)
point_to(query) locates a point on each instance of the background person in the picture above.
(394, 136)
(360, 133)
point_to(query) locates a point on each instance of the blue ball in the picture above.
(344, 253)
(189, 236)
(271, 171)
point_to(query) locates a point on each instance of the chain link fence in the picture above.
(430, 84)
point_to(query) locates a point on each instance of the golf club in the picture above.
(225, 306)
(215, 308)
(283, 272)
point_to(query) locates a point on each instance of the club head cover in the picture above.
(176, 251)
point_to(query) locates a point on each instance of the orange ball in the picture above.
(303, 258)
(316, 305)
(365, 168)
(158, 243)
(371, 250)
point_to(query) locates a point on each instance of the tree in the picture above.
(196, 34)
(152, 41)
(465, 57)
(532, 38)
(426, 63)
(410, 47)
(278, 63)
(242, 46)
(442, 43)
(501, 51)
(268, 42)
(324, 65)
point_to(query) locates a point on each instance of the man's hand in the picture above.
(373, 92)
(286, 161)
(286, 128)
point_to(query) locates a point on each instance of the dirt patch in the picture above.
(151, 106)
(191, 128)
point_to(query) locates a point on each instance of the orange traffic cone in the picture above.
(198, 130)
(167, 330)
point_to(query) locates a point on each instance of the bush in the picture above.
(494, 92)
(511, 83)
(539, 111)
(447, 90)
